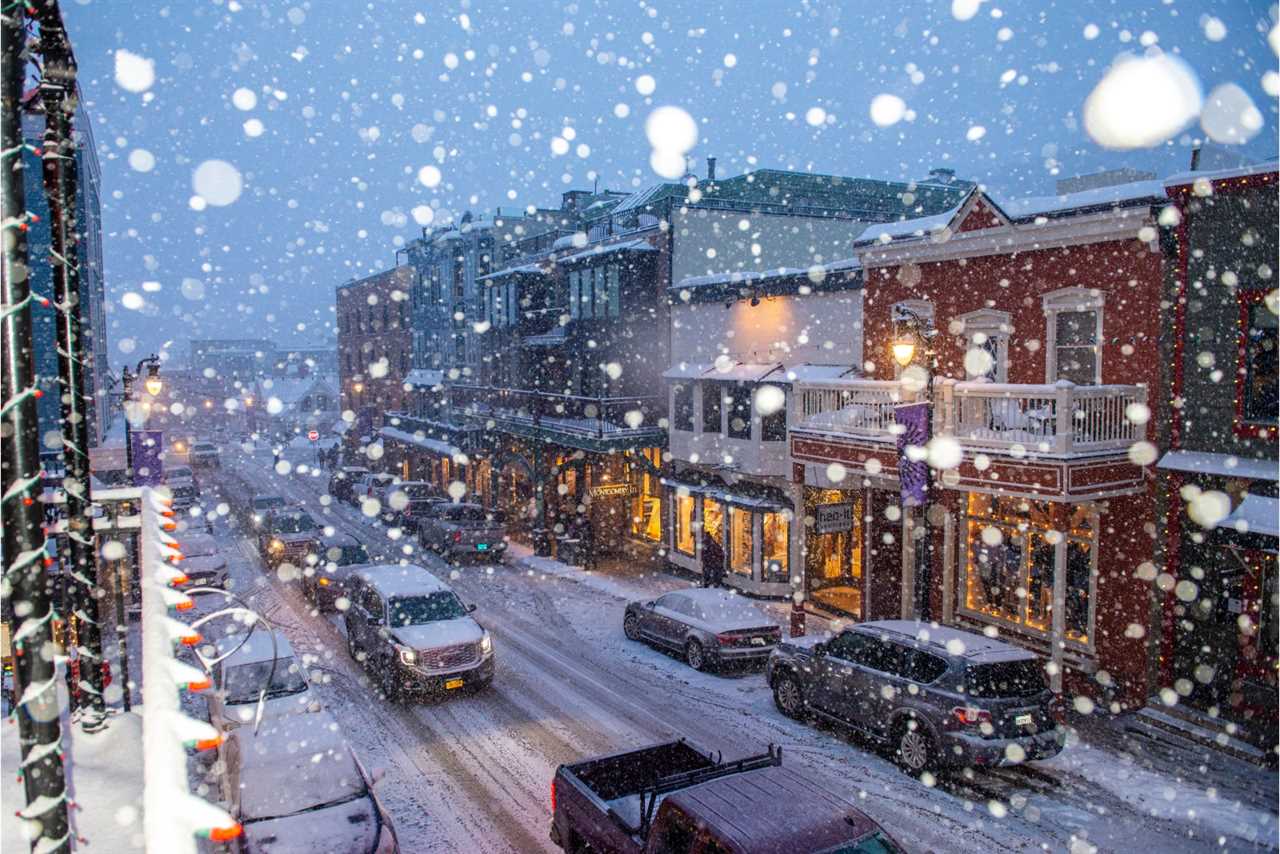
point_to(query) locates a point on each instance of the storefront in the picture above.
(835, 574)
(752, 523)
(1012, 550)
(646, 498)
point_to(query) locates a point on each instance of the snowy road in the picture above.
(473, 773)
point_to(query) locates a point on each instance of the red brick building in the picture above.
(375, 345)
(1044, 321)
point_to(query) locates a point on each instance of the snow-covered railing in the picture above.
(1058, 418)
(173, 817)
(565, 413)
(855, 407)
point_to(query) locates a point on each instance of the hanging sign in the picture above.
(148, 462)
(612, 490)
(833, 518)
(912, 474)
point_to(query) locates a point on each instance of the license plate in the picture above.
(1024, 720)
(482, 547)
(450, 684)
(758, 641)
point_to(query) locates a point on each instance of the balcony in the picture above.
(589, 423)
(1060, 420)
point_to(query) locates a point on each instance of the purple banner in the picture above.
(912, 474)
(147, 448)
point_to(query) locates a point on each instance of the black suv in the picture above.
(938, 696)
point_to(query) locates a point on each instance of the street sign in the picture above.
(833, 518)
(313, 435)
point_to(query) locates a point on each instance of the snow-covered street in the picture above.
(472, 772)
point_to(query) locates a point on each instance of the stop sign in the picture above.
(313, 435)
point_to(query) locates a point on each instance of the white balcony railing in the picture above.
(1059, 418)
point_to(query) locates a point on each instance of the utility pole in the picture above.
(58, 91)
(39, 727)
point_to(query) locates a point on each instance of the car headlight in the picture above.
(276, 545)
(322, 581)
(408, 656)
(486, 644)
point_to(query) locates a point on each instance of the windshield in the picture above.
(242, 682)
(348, 555)
(876, 843)
(417, 610)
(293, 523)
(1005, 678)
(268, 502)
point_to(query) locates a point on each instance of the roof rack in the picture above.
(650, 794)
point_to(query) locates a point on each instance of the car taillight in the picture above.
(457, 536)
(967, 716)
(553, 795)
(727, 640)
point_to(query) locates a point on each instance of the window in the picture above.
(773, 424)
(711, 406)
(871, 652)
(924, 667)
(1074, 331)
(1010, 565)
(601, 291)
(713, 519)
(774, 540)
(1257, 375)
(741, 541)
(683, 510)
(614, 289)
(574, 293)
(740, 411)
(987, 331)
(682, 406)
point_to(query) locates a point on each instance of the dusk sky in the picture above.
(352, 100)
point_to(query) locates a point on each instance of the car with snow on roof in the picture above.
(326, 581)
(937, 696)
(413, 633)
(709, 626)
(296, 787)
(255, 669)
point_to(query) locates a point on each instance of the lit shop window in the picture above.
(740, 553)
(774, 541)
(683, 509)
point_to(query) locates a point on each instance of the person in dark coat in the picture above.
(712, 562)
(586, 541)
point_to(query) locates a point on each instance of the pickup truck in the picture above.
(462, 529)
(675, 798)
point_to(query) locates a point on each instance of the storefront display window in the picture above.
(740, 547)
(683, 510)
(1009, 565)
(713, 519)
(774, 542)
(834, 574)
(646, 501)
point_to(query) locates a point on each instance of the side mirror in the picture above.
(819, 649)
(471, 608)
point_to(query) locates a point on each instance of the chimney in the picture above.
(711, 168)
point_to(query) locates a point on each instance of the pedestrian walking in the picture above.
(712, 561)
(587, 541)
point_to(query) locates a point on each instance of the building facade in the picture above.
(1216, 594)
(374, 346)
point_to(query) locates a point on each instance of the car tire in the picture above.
(695, 656)
(351, 648)
(914, 748)
(788, 696)
(631, 627)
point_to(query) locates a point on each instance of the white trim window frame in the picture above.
(995, 328)
(1068, 301)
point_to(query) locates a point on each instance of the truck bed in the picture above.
(613, 778)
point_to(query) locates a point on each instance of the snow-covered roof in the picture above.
(424, 378)
(290, 390)
(1221, 465)
(918, 227)
(1118, 195)
(685, 371)
(1257, 514)
(1181, 179)
(407, 580)
(433, 445)
(742, 371)
(811, 373)
(742, 277)
(607, 249)
(648, 195)
(527, 269)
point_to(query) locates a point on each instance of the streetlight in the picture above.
(916, 337)
(153, 384)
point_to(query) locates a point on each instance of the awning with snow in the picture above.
(685, 371)
(525, 270)
(814, 373)
(424, 378)
(435, 446)
(745, 372)
(1220, 465)
(609, 249)
(1257, 514)
(750, 496)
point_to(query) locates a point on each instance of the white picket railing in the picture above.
(848, 406)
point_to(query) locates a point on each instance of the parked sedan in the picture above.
(712, 627)
(340, 555)
(936, 696)
(463, 529)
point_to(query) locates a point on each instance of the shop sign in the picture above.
(833, 518)
(612, 490)
(913, 474)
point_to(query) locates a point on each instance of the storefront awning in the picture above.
(814, 373)
(685, 371)
(1220, 465)
(1257, 514)
(435, 446)
(729, 495)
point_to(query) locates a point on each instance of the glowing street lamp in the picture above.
(904, 351)
(153, 383)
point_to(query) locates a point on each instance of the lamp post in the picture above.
(916, 337)
(153, 385)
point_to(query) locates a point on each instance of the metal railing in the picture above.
(1059, 418)
(600, 417)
